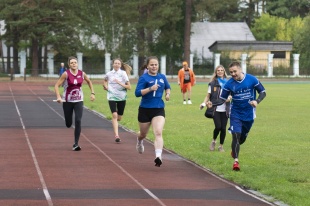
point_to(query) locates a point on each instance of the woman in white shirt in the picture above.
(116, 82)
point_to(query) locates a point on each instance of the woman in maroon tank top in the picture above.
(72, 98)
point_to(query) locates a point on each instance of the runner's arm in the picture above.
(260, 97)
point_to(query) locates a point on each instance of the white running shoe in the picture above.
(140, 148)
(189, 102)
(184, 102)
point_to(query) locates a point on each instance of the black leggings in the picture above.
(220, 123)
(68, 108)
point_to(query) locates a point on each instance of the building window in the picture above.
(278, 54)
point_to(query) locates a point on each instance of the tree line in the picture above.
(148, 27)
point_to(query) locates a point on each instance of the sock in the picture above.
(189, 99)
(158, 152)
(236, 160)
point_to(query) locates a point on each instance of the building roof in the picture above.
(204, 34)
(251, 45)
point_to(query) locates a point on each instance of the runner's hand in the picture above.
(202, 105)
(209, 104)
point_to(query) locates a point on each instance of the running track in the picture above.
(38, 167)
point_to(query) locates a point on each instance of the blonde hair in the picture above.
(214, 76)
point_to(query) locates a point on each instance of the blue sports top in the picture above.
(242, 93)
(146, 81)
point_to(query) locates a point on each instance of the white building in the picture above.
(204, 34)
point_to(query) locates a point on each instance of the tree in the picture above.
(150, 27)
(40, 23)
(265, 28)
(302, 43)
(271, 28)
(247, 10)
(288, 8)
(217, 11)
(187, 29)
(12, 35)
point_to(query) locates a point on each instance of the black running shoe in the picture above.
(158, 161)
(76, 148)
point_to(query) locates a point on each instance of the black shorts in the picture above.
(117, 106)
(147, 114)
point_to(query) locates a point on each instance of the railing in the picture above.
(202, 68)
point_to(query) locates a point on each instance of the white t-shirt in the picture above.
(115, 91)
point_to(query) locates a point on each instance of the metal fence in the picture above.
(202, 67)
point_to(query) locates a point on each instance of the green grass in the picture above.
(275, 158)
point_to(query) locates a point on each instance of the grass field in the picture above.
(275, 158)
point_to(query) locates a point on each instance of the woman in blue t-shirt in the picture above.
(151, 87)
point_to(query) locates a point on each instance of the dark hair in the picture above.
(232, 64)
(150, 58)
(70, 58)
(143, 67)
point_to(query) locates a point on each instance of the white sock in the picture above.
(158, 152)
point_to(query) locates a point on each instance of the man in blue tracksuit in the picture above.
(242, 87)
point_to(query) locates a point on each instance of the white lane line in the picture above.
(125, 172)
(258, 197)
(115, 163)
(35, 161)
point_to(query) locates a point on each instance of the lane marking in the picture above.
(195, 165)
(35, 161)
(111, 160)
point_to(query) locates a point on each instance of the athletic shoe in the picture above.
(117, 139)
(212, 146)
(236, 166)
(189, 102)
(76, 148)
(221, 149)
(184, 102)
(158, 161)
(140, 148)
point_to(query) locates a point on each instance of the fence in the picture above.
(202, 67)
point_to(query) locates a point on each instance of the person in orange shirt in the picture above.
(186, 79)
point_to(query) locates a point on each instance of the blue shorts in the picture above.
(239, 126)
